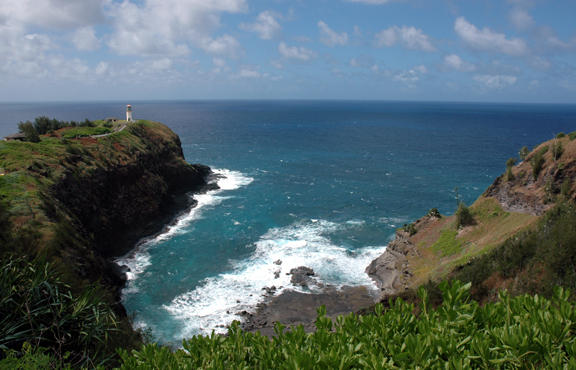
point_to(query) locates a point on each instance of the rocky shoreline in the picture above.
(390, 273)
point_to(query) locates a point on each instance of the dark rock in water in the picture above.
(301, 276)
(270, 290)
(276, 274)
(293, 308)
(278, 262)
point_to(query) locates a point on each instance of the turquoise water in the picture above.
(321, 184)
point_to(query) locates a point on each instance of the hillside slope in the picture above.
(514, 207)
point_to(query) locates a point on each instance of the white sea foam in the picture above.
(138, 260)
(218, 300)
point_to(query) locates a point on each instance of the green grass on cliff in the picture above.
(447, 244)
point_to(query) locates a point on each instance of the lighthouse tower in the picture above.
(129, 113)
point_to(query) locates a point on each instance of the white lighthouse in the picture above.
(129, 113)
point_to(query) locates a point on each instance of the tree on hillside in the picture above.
(509, 164)
(29, 131)
(524, 153)
(464, 216)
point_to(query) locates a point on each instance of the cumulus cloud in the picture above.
(85, 39)
(409, 37)
(168, 27)
(411, 76)
(496, 82)
(59, 14)
(330, 37)
(488, 40)
(454, 61)
(266, 25)
(226, 46)
(295, 52)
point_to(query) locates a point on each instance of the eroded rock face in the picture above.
(131, 194)
(513, 200)
(391, 271)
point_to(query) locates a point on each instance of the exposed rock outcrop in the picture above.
(391, 271)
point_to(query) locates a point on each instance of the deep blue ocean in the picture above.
(319, 183)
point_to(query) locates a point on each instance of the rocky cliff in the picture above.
(432, 248)
(79, 202)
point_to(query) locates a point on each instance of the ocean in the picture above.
(322, 184)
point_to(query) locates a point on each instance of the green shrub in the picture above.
(30, 133)
(463, 216)
(557, 150)
(523, 153)
(509, 164)
(36, 307)
(519, 332)
(537, 162)
(572, 135)
(434, 212)
(410, 229)
(560, 135)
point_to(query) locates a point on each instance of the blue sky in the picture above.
(447, 50)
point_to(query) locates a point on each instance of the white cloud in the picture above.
(58, 14)
(247, 72)
(454, 61)
(85, 39)
(223, 46)
(170, 27)
(496, 81)
(295, 52)
(266, 25)
(411, 76)
(330, 37)
(488, 40)
(409, 37)
(521, 19)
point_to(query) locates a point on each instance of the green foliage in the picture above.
(557, 150)
(43, 125)
(29, 131)
(520, 332)
(410, 229)
(523, 154)
(560, 135)
(572, 135)
(538, 259)
(509, 164)
(36, 307)
(537, 162)
(464, 216)
(434, 212)
(30, 358)
(84, 131)
(447, 244)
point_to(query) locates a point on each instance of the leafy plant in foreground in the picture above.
(521, 332)
(39, 310)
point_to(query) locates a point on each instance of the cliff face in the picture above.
(514, 204)
(80, 202)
